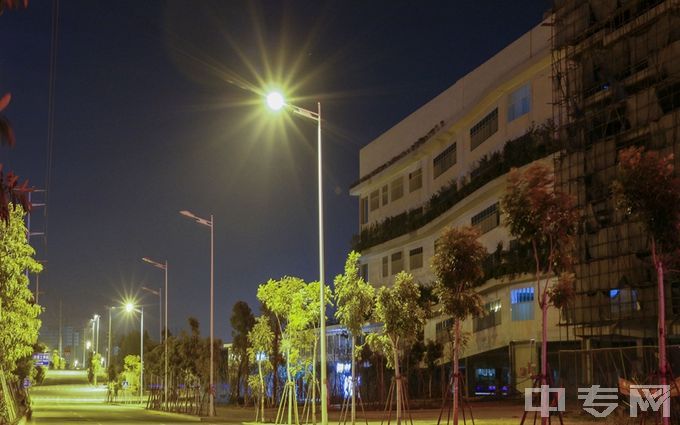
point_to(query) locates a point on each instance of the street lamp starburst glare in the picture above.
(129, 307)
(275, 101)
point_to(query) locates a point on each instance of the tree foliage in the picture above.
(18, 311)
(296, 306)
(648, 189)
(242, 321)
(457, 266)
(261, 338)
(353, 296)
(132, 366)
(398, 309)
(539, 214)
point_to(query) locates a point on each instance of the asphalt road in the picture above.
(66, 398)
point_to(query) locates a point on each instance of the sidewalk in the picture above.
(504, 412)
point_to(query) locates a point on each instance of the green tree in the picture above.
(457, 265)
(354, 299)
(95, 368)
(295, 306)
(279, 296)
(647, 189)
(260, 338)
(18, 311)
(242, 321)
(539, 214)
(399, 310)
(58, 362)
(132, 367)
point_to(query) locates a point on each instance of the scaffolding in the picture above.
(616, 83)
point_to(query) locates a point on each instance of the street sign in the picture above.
(41, 359)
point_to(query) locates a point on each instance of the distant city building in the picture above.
(71, 341)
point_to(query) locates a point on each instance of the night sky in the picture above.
(148, 121)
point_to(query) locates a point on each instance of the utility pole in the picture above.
(61, 340)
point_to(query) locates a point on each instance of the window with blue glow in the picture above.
(519, 102)
(522, 304)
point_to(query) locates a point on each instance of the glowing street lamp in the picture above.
(129, 308)
(275, 101)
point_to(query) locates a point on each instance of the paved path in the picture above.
(66, 398)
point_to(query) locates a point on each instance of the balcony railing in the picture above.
(535, 144)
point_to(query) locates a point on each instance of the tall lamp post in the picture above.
(129, 307)
(108, 348)
(275, 101)
(209, 223)
(158, 292)
(95, 333)
(163, 266)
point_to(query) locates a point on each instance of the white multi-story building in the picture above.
(446, 165)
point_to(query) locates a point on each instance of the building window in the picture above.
(415, 258)
(445, 160)
(385, 271)
(519, 102)
(363, 211)
(487, 219)
(385, 195)
(375, 200)
(624, 302)
(364, 272)
(397, 263)
(442, 330)
(522, 304)
(415, 180)
(484, 129)
(491, 317)
(397, 188)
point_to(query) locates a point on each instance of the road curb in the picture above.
(178, 415)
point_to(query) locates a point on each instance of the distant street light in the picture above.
(164, 267)
(275, 101)
(210, 224)
(129, 308)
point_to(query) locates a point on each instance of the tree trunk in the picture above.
(259, 370)
(397, 379)
(289, 388)
(354, 385)
(658, 265)
(456, 370)
(314, 383)
(544, 345)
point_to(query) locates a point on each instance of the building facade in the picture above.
(446, 165)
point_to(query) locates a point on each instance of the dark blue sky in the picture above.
(146, 124)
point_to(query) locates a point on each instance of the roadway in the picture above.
(65, 397)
